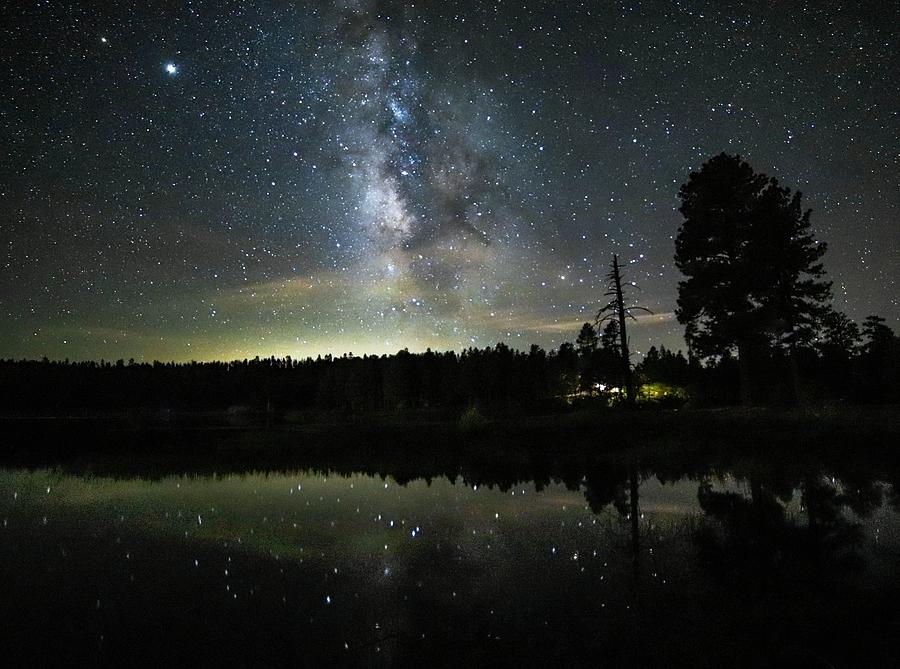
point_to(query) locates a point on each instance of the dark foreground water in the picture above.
(598, 563)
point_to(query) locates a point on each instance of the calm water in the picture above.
(700, 565)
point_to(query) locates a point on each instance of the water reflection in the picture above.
(574, 561)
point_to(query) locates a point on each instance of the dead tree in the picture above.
(616, 311)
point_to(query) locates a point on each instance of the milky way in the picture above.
(232, 179)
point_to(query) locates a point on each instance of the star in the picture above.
(171, 69)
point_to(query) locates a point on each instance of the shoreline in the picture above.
(197, 443)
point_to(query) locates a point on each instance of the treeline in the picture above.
(846, 363)
(843, 362)
(496, 377)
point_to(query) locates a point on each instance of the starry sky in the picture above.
(218, 180)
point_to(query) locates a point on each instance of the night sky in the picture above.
(218, 180)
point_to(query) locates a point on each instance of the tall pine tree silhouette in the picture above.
(753, 276)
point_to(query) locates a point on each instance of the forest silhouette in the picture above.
(496, 379)
(759, 324)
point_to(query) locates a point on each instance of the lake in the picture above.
(529, 560)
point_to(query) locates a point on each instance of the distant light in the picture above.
(171, 68)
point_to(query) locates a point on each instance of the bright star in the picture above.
(171, 68)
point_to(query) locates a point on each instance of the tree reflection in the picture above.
(507, 576)
(757, 534)
(620, 487)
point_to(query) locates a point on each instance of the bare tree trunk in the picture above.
(623, 335)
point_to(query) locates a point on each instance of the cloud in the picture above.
(544, 326)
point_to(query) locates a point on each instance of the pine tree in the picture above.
(753, 271)
(587, 340)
